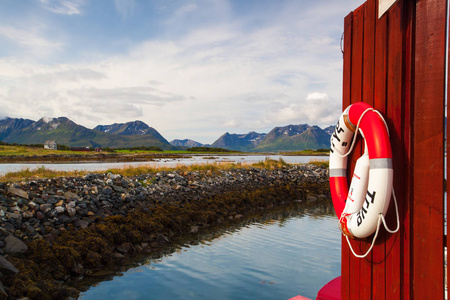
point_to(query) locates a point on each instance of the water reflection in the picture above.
(276, 255)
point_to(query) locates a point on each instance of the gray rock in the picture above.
(124, 248)
(107, 190)
(118, 189)
(117, 255)
(2, 290)
(59, 210)
(71, 211)
(14, 245)
(18, 192)
(27, 214)
(14, 216)
(78, 269)
(81, 223)
(6, 267)
(45, 207)
(311, 198)
(71, 196)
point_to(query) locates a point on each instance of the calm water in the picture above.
(292, 253)
(99, 166)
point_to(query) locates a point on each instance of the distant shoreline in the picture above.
(74, 158)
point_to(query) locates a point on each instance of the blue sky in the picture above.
(189, 68)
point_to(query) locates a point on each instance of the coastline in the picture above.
(80, 158)
(69, 228)
(137, 157)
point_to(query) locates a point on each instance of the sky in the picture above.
(191, 69)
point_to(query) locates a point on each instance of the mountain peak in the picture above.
(285, 138)
(185, 143)
(131, 128)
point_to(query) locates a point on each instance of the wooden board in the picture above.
(428, 151)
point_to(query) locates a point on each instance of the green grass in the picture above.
(33, 151)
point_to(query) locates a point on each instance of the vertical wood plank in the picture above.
(404, 203)
(357, 54)
(448, 174)
(428, 143)
(395, 121)
(356, 96)
(380, 103)
(346, 96)
(367, 96)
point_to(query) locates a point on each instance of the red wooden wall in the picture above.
(397, 64)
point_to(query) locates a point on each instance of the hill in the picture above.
(67, 132)
(239, 142)
(131, 128)
(186, 143)
(287, 138)
(295, 137)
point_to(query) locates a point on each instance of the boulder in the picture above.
(14, 245)
(6, 267)
(71, 196)
(18, 192)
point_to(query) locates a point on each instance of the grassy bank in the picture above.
(24, 150)
(42, 172)
(18, 153)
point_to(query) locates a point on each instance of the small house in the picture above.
(50, 145)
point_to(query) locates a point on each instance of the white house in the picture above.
(50, 145)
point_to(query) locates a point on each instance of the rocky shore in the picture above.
(55, 231)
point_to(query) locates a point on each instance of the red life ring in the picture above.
(371, 187)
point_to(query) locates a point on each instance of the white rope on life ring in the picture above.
(362, 208)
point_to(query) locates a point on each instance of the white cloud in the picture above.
(64, 7)
(31, 40)
(137, 94)
(317, 96)
(316, 109)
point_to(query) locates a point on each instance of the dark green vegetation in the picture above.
(209, 149)
(142, 148)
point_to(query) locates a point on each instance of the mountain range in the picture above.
(67, 132)
(137, 133)
(287, 138)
